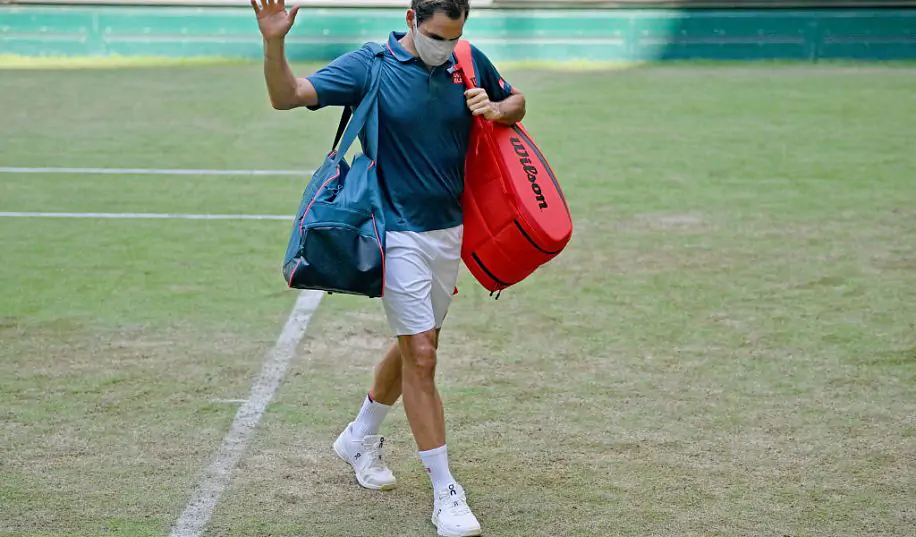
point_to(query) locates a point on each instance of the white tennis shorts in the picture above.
(421, 271)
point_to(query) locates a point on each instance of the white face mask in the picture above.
(433, 52)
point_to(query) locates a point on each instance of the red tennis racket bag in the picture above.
(515, 215)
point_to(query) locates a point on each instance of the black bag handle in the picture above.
(344, 119)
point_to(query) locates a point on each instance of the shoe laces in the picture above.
(372, 449)
(454, 501)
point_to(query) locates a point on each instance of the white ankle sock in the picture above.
(436, 463)
(370, 417)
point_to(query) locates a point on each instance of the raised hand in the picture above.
(273, 20)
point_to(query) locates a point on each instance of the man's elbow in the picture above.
(282, 104)
(515, 108)
(302, 94)
(284, 100)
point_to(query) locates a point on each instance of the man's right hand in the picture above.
(273, 20)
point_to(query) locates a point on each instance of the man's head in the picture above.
(436, 26)
(425, 10)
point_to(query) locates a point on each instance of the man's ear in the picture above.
(410, 18)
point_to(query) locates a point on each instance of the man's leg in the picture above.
(421, 399)
(409, 311)
(386, 388)
(422, 404)
(384, 393)
(386, 383)
(425, 414)
(360, 444)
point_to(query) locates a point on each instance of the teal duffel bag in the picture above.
(337, 242)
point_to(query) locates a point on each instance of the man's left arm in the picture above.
(510, 110)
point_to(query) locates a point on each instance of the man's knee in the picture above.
(419, 354)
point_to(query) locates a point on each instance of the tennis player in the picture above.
(425, 117)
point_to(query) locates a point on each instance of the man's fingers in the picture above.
(292, 13)
(476, 97)
(254, 6)
(478, 101)
(489, 112)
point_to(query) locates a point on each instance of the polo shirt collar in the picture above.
(400, 53)
(403, 55)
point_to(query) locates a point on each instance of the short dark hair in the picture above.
(455, 9)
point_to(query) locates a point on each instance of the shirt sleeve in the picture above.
(488, 77)
(343, 81)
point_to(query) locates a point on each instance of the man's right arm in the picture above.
(285, 90)
(337, 84)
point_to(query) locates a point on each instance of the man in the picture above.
(425, 117)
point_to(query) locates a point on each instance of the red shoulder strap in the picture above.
(466, 63)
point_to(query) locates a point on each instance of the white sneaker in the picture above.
(365, 456)
(451, 514)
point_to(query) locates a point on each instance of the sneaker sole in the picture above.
(385, 487)
(445, 533)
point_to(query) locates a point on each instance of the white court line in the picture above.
(145, 216)
(197, 514)
(158, 171)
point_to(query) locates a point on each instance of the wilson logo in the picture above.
(525, 160)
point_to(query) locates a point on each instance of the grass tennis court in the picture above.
(727, 347)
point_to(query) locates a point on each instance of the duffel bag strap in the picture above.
(368, 106)
(347, 113)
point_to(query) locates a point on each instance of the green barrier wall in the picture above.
(506, 35)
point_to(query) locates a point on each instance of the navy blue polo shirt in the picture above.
(424, 128)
